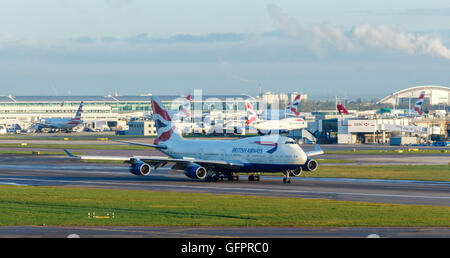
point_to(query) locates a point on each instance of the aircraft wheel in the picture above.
(251, 178)
(286, 180)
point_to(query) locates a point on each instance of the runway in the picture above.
(65, 172)
(57, 171)
(220, 232)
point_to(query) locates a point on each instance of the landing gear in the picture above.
(287, 177)
(233, 177)
(213, 176)
(253, 178)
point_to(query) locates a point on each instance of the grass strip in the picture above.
(399, 172)
(57, 206)
(391, 152)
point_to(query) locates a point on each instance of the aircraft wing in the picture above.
(41, 125)
(317, 151)
(144, 144)
(160, 161)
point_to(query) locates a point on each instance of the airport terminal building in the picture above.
(97, 110)
(435, 95)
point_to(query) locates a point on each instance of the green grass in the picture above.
(399, 172)
(390, 152)
(25, 205)
(328, 161)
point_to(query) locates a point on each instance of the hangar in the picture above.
(435, 95)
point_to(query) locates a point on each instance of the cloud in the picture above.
(382, 36)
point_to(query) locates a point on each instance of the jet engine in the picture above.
(310, 165)
(140, 169)
(195, 172)
(296, 172)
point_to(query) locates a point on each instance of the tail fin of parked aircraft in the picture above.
(252, 117)
(186, 107)
(166, 130)
(79, 111)
(342, 110)
(295, 104)
(418, 105)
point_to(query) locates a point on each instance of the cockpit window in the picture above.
(290, 142)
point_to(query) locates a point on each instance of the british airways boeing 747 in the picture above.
(211, 160)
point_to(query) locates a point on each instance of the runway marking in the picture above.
(289, 191)
(9, 183)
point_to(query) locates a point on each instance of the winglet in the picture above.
(317, 151)
(317, 148)
(70, 154)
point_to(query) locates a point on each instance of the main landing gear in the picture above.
(253, 178)
(287, 177)
(233, 177)
(213, 176)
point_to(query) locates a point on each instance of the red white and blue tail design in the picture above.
(295, 104)
(164, 127)
(79, 111)
(252, 117)
(418, 105)
(77, 119)
(186, 108)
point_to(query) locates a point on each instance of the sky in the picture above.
(323, 48)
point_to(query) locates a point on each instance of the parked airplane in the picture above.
(211, 160)
(268, 126)
(63, 124)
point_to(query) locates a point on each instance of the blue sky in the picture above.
(323, 48)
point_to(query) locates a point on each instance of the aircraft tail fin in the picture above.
(419, 102)
(166, 130)
(252, 117)
(79, 111)
(295, 104)
(342, 110)
(186, 108)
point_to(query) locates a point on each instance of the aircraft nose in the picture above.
(301, 157)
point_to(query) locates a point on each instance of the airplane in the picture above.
(268, 126)
(63, 124)
(213, 160)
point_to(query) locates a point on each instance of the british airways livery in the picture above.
(212, 160)
(269, 126)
